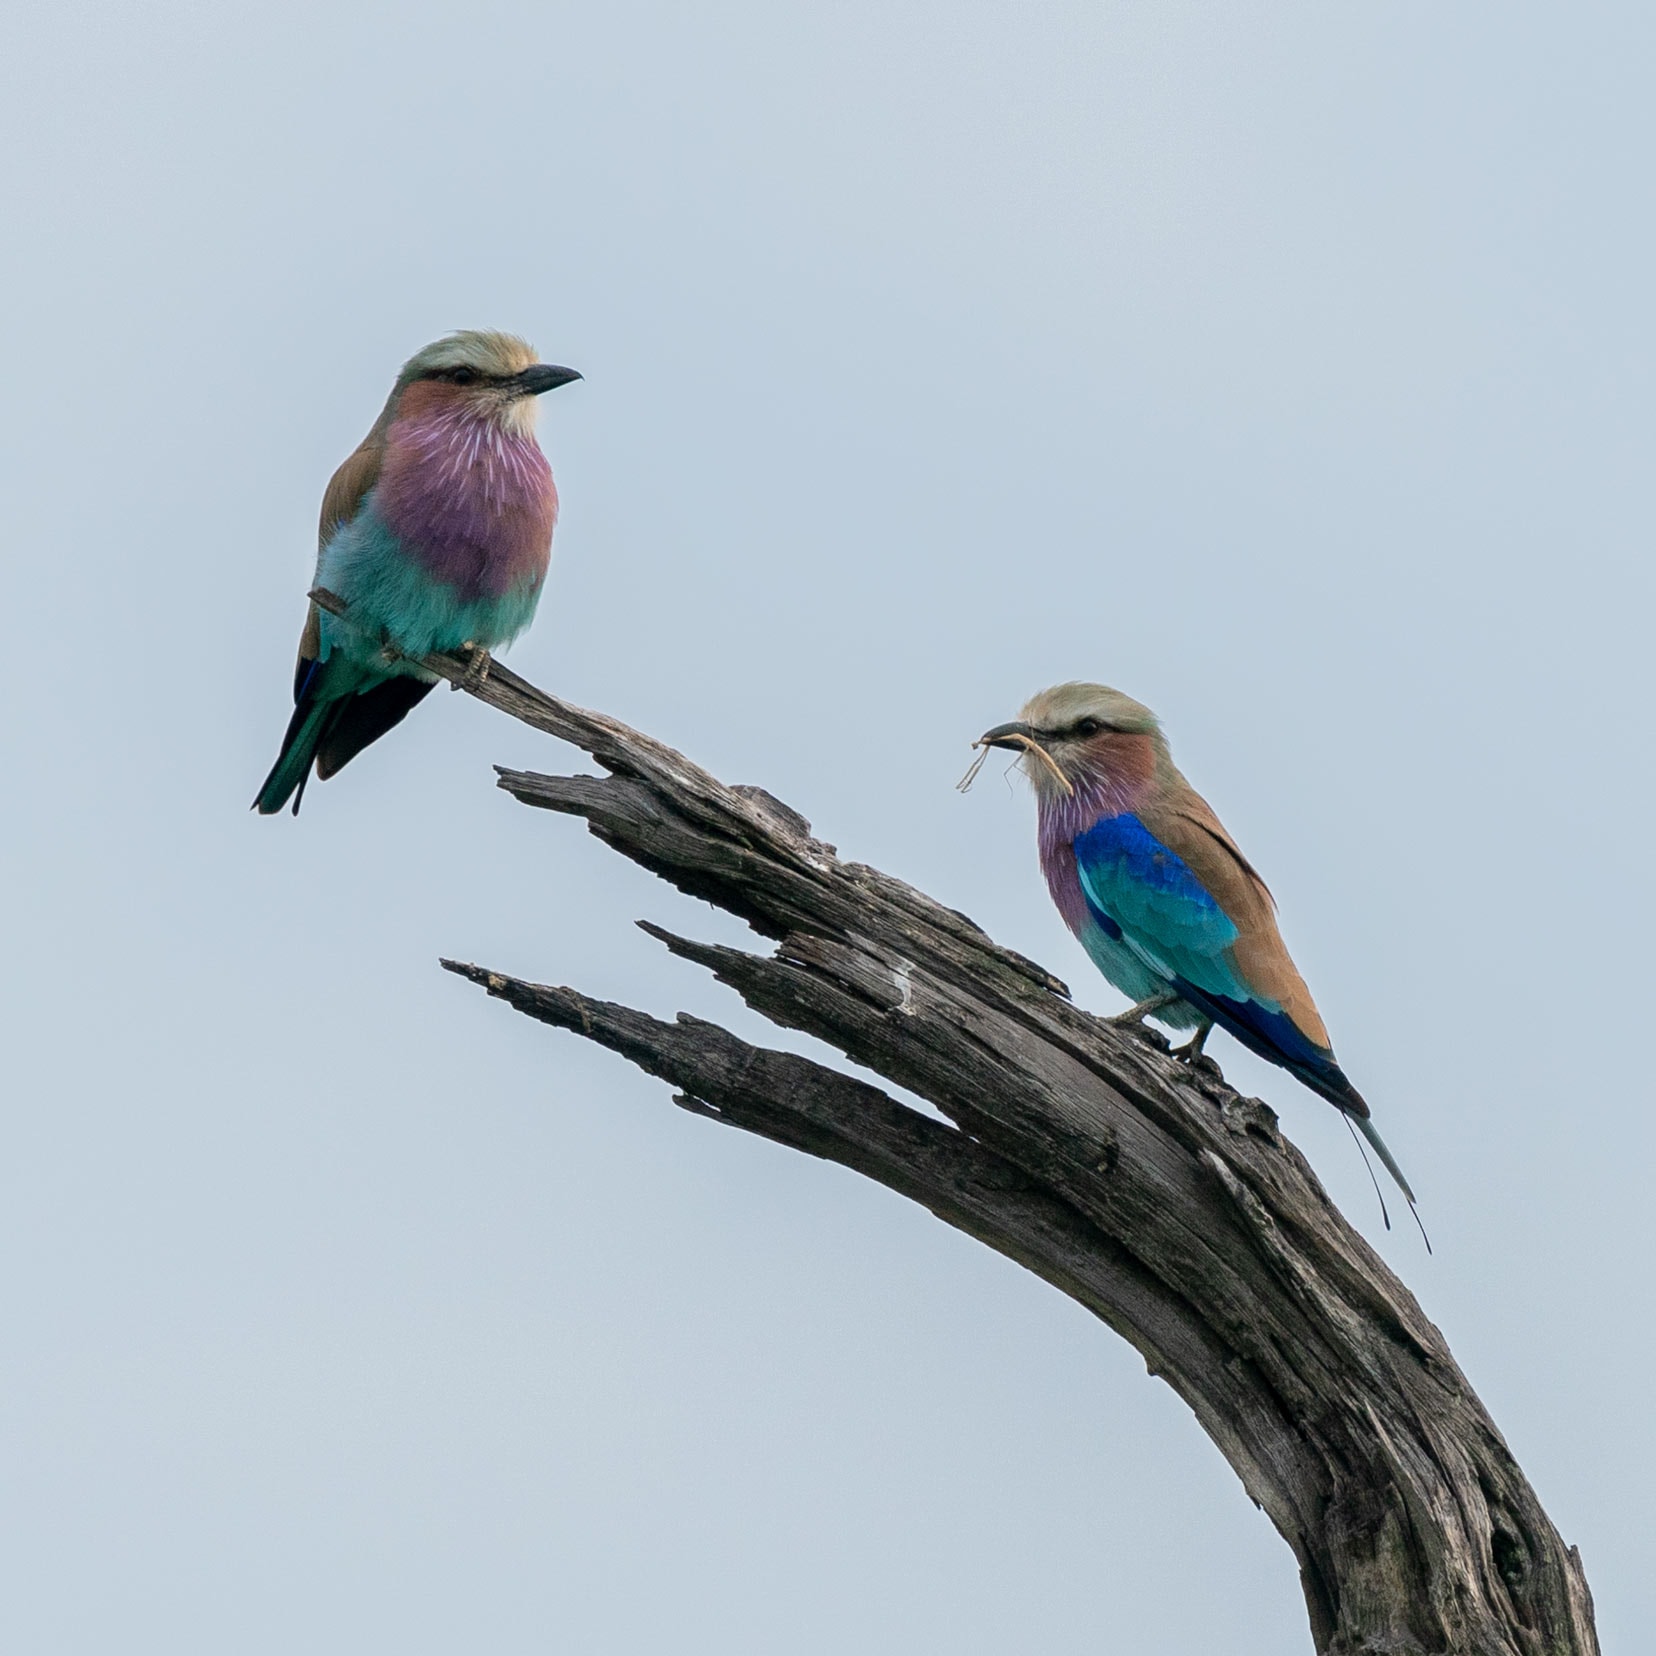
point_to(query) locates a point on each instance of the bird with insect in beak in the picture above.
(437, 534)
(1158, 893)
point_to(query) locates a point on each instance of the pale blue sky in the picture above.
(1287, 365)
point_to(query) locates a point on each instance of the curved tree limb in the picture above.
(1147, 1190)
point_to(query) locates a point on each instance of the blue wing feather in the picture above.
(1152, 907)
(1142, 893)
(1148, 894)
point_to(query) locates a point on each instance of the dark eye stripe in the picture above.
(1082, 728)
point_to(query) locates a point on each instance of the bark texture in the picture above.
(1167, 1204)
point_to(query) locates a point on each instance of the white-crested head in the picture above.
(1086, 740)
(487, 354)
(476, 373)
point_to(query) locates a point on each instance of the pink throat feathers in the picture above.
(469, 497)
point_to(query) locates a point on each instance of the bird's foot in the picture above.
(1192, 1049)
(478, 663)
(1137, 1014)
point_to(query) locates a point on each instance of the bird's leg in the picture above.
(1137, 1014)
(1192, 1049)
(478, 662)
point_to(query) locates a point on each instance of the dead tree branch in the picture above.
(1149, 1191)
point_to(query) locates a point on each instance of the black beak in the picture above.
(1006, 736)
(544, 377)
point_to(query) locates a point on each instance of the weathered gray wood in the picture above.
(1149, 1191)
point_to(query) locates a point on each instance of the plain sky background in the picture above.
(1288, 365)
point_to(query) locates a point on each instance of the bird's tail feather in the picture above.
(1275, 1036)
(1367, 1129)
(305, 731)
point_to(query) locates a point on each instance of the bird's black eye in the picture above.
(453, 376)
(1088, 726)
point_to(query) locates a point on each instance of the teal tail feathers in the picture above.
(340, 710)
(288, 775)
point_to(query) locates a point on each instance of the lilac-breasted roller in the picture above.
(437, 533)
(1158, 893)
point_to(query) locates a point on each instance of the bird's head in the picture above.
(1083, 738)
(477, 373)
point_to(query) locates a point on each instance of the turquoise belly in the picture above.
(1132, 977)
(392, 599)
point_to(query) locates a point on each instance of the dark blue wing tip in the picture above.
(1275, 1036)
(304, 678)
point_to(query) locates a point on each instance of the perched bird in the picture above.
(1157, 892)
(436, 533)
